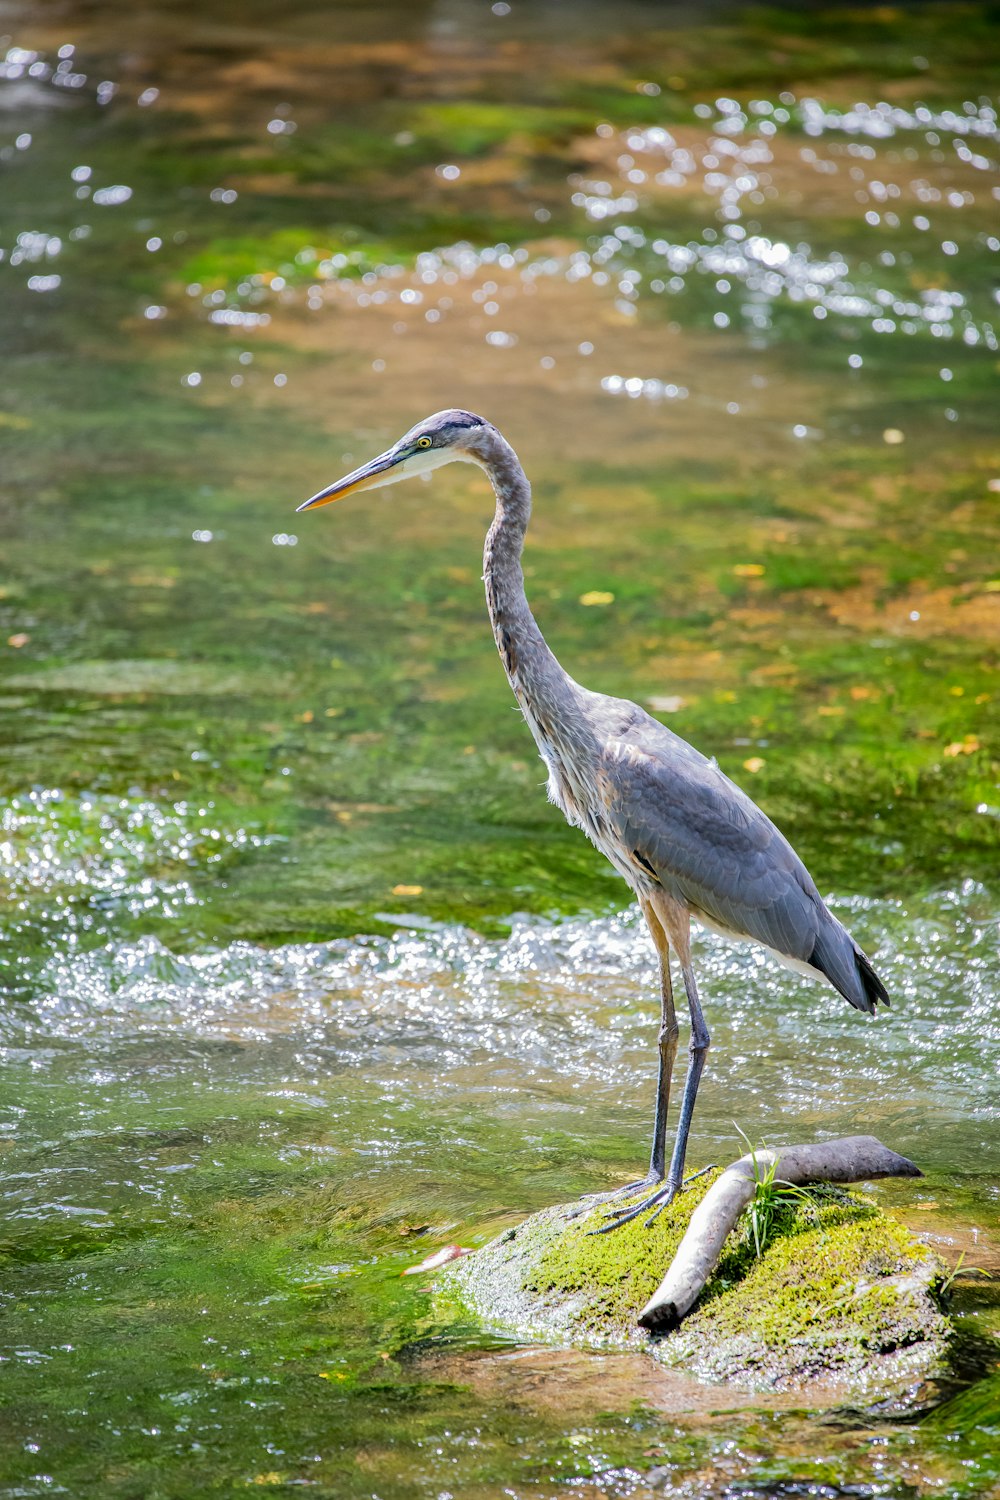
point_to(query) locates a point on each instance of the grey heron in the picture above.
(689, 842)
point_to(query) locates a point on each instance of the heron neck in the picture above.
(544, 690)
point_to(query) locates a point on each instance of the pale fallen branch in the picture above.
(854, 1158)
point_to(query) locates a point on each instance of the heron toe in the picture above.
(589, 1201)
(657, 1201)
(651, 1180)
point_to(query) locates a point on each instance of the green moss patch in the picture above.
(841, 1294)
(297, 255)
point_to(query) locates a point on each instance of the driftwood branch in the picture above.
(855, 1158)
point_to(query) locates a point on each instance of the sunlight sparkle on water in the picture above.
(735, 161)
(571, 1005)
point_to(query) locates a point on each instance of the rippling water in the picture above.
(555, 1009)
(263, 1124)
(562, 1016)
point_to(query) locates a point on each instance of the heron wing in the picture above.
(707, 842)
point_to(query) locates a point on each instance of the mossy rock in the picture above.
(842, 1294)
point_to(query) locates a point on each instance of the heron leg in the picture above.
(700, 1041)
(667, 1046)
(667, 1049)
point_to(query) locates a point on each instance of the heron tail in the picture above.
(875, 990)
(838, 956)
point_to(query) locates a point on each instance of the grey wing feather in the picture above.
(709, 844)
(716, 851)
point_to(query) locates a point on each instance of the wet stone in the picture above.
(842, 1298)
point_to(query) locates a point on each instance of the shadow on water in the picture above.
(302, 975)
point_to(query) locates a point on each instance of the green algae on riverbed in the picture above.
(842, 1294)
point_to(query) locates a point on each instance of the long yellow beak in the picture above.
(368, 477)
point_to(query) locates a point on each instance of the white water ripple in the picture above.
(565, 1000)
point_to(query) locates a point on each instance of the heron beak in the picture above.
(368, 477)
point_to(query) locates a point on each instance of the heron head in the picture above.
(437, 440)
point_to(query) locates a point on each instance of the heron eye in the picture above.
(424, 442)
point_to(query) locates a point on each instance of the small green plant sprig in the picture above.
(960, 1269)
(771, 1195)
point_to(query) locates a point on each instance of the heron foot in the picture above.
(657, 1201)
(651, 1180)
(591, 1200)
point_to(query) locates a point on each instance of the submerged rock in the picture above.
(841, 1293)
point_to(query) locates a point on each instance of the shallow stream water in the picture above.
(302, 976)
